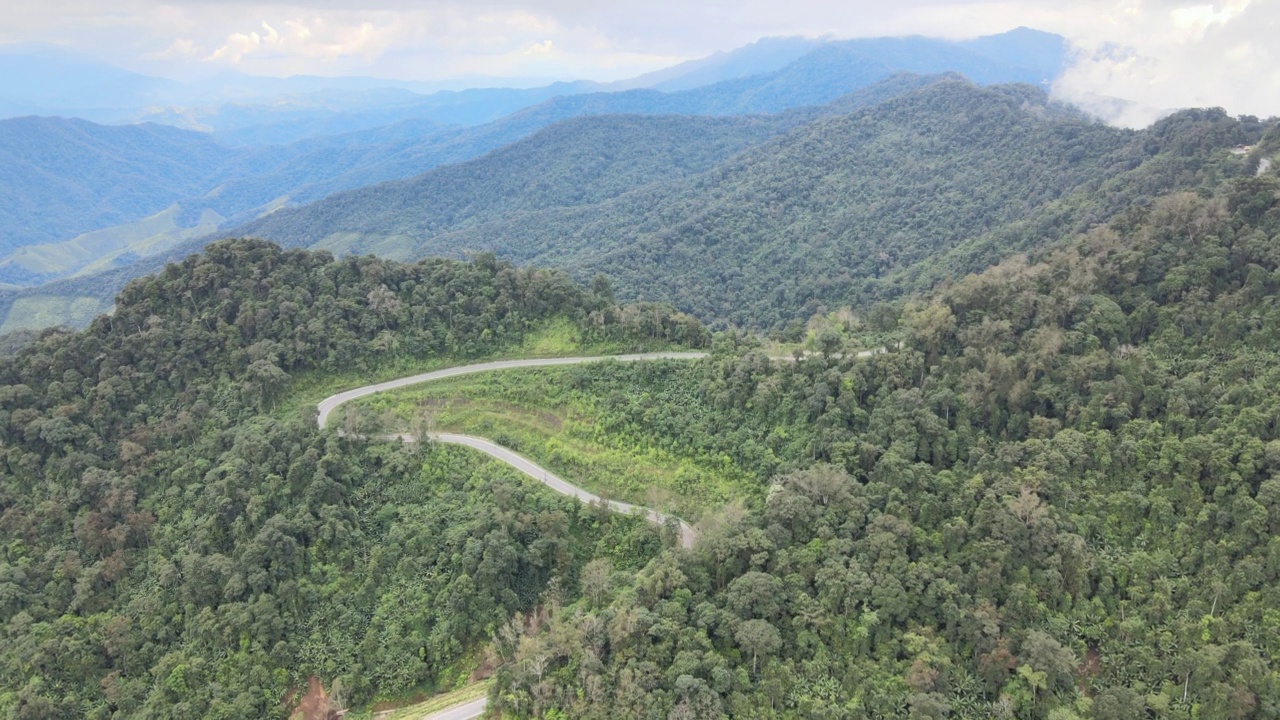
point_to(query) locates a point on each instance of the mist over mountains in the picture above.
(892, 165)
(48, 80)
(249, 159)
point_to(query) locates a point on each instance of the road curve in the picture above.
(333, 402)
(688, 536)
(326, 407)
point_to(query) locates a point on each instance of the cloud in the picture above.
(181, 48)
(1160, 56)
(305, 39)
(540, 48)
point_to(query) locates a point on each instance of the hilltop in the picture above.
(857, 205)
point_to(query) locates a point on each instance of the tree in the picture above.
(597, 576)
(756, 595)
(758, 637)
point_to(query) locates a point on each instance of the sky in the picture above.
(1157, 54)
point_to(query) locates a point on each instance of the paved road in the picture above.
(333, 402)
(326, 407)
(473, 709)
(688, 536)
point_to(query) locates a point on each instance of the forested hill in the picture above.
(592, 158)
(577, 162)
(845, 209)
(173, 544)
(65, 177)
(143, 209)
(1059, 501)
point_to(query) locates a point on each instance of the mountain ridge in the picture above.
(928, 144)
(260, 180)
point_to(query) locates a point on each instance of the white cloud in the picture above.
(181, 48)
(540, 48)
(1161, 56)
(304, 40)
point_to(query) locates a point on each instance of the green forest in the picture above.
(178, 542)
(1051, 491)
(1057, 500)
(873, 197)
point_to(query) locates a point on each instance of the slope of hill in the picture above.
(1058, 500)
(599, 156)
(877, 205)
(758, 58)
(313, 169)
(60, 178)
(844, 209)
(256, 181)
(157, 501)
(832, 69)
(576, 162)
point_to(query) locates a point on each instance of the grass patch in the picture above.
(434, 704)
(442, 702)
(555, 338)
(537, 413)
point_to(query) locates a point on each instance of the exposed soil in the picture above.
(1089, 668)
(483, 671)
(314, 705)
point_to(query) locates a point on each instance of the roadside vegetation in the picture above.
(579, 423)
(178, 543)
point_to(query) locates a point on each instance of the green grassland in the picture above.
(559, 337)
(543, 414)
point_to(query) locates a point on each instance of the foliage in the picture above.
(68, 177)
(1057, 500)
(602, 427)
(857, 205)
(169, 548)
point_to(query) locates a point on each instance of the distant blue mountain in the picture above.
(245, 110)
(46, 79)
(61, 178)
(758, 58)
(1041, 53)
(831, 71)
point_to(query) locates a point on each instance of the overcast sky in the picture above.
(1157, 53)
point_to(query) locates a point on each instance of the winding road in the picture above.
(688, 536)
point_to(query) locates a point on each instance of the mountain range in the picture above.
(972, 414)
(50, 230)
(848, 208)
(756, 220)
